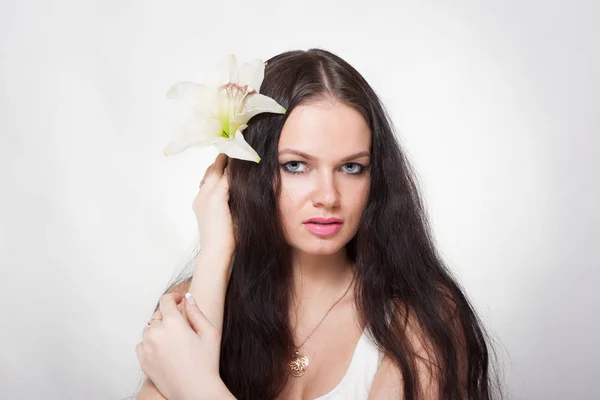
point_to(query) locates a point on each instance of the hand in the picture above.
(212, 208)
(182, 360)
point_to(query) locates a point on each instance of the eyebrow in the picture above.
(309, 157)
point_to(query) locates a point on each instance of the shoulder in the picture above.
(388, 381)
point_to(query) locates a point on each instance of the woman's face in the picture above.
(324, 159)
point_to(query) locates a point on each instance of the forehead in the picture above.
(325, 129)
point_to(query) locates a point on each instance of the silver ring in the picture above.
(201, 182)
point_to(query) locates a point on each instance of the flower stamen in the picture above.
(224, 111)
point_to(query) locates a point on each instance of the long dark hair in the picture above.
(400, 277)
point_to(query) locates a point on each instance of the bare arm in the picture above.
(208, 286)
(388, 381)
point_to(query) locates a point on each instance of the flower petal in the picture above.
(238, 147)
(252, 74)
(197, 131)
(193, 94)
(228, 71)
(235, 125)
(256, 104)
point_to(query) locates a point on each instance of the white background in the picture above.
(497, 106)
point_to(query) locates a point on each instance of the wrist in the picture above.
(213, 259)
(217, 248)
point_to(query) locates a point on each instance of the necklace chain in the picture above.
(325, 316)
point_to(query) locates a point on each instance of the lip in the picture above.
(321, 220)
(323, 226)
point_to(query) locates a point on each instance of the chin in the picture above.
(320, 246)
(315, 253)
(322, 251)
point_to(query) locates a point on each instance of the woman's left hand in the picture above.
(181, 358)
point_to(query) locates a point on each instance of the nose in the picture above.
(325, 193)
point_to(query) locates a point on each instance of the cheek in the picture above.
(289, 200)
(365, 195)
(294, 202)
(355, 206)
(356, 195)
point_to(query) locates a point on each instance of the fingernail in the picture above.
(190, 299)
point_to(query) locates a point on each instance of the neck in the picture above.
(319, 280)
(314, 274)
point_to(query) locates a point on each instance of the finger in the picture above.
(180, 306)
(156, 314)
(150, 324)
(206, 174)
(177, 297)
(208, 170)
(195, 316)
(220, 164)
(224, 182)
(168, 305)
(139, 352)
(215, 171)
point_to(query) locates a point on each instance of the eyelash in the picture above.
(362, 168)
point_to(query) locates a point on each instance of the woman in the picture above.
(329, 286)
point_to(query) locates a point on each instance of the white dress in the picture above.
(356, 383)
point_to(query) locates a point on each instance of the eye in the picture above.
(357, 170)
(295, 167)
(292, 167)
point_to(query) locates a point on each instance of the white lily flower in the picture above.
(219, 113)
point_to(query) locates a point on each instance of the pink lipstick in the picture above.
(323, 226)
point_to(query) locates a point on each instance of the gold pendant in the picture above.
(298, 364)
